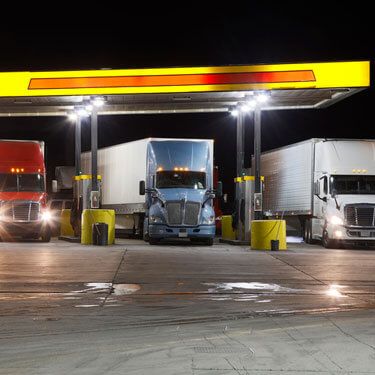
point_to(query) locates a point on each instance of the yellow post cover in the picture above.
(90, 217)
(65, 228)
(263, 231)
(227, 231)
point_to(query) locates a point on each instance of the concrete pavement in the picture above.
(140, 309)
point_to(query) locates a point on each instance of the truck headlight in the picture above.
(46, 216)
(209, 220)
(155, 219)
(335, 220)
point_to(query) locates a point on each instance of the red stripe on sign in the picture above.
(172, 80)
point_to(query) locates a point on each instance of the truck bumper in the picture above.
(21, 229)
(351, 235)
(165, 231)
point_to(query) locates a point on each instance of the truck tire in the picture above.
(209, 241)
(46, 235)
(153, 241)
(145, 234)
(327, 242)
(307, 235)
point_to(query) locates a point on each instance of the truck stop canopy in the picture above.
(180, 90)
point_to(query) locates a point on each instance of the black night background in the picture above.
(190, 36)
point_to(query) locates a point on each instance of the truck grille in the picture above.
(174, 211)
(20, 211)
(183, 213)
(192, 213)
(360, 215)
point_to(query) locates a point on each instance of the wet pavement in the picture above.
(185, 309)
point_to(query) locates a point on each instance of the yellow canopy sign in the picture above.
(180, 80)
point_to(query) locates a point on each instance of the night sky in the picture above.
(190, 36)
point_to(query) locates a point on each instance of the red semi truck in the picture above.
(23, 210)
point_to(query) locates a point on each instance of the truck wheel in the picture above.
(46, 235)
(153, 241)
(209, 241)
(327, 242)
(307, 236)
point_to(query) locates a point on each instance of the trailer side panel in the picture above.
(288, 179)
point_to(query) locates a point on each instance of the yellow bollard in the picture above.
(65, 227)
(90, 217)
(263, 231)
(227, 231)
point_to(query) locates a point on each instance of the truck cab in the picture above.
(179, 191)
(344, 202)
(23, 211)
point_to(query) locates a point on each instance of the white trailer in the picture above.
(176, 198)
(327, 184)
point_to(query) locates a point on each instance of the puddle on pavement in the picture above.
(237, 298)
(92, 287)
(86, 305)
(96, 287)
(220, 287)
(237, 291)
(123, 289)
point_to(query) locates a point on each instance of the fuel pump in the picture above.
(83, 198)
(249, 203)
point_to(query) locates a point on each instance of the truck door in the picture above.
(323, 200)
(321, 203)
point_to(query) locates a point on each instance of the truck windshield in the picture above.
(353, 184)
(21, 182)
(180, 179)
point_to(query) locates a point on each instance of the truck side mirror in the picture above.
(219, 189)
(54, 186)
(142, 188)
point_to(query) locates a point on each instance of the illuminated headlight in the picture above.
(46, 216)
(209, 220)
(155, 219)
(338, 233)
(335, 220)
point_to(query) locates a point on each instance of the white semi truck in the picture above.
(324, 186)
(159, 187)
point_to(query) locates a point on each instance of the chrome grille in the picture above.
(174, 211)
(360, 215)
(192, 213)
(20, 211)
(183, 213)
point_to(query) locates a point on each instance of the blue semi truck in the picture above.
(160, 188)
